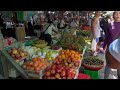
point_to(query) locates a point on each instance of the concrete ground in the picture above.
(113, 73)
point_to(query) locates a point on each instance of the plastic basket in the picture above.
(83, 76)
(28, 43)
(92, 67)
(92, 74)
(37, 74)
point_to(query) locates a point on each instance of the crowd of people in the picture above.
(50, 24)
(105, 32)
(111, 40)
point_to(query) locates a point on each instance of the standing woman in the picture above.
(113, 33)
(96, 31)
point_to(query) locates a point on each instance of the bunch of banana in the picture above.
(39, 43)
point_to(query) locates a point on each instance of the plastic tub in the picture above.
(83, 76)
(92, 74)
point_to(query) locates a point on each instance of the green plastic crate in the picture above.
(92, 74)
(28, 43)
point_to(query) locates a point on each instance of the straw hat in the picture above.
(113, 54)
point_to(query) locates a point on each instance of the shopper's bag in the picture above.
(93, 45)
(42, 36)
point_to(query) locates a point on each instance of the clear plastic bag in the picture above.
(93, 45)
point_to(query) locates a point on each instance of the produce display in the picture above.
(72, 42)
(39, 43)
(93, 63)
(70, 63)
(18, 54)
(44, 52)
(70, 54)
(59, 72)
(49, 62)
(47, 53)
(36, 64)
(61, 60)
(64, 66)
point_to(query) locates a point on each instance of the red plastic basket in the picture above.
(83, 76)
(91, 67)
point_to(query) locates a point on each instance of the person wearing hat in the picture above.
(112, 34)
(113, 56)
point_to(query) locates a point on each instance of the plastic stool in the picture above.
(92, 74)
(83, 76)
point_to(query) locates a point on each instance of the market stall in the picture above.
(31, 58)
(21, 54)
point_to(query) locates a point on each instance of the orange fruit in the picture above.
(40, 65)
(38, 59)
(76, 55)
(72, 55)
(67, 52)
(79, 58)
(66, 56)
(73, 52)
(63, 56)
(34, 59)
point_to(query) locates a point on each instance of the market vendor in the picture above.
(48, 30)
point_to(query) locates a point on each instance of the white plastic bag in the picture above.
(93, 45)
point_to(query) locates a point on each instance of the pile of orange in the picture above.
(69, 54)
(36, 64)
